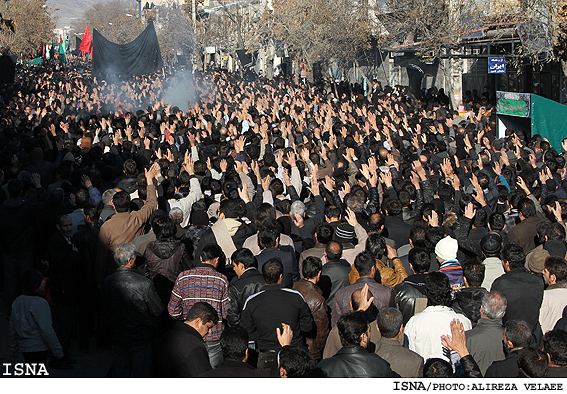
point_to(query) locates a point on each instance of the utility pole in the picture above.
(194, 14)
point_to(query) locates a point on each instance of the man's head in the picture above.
(473, 273)
(297, 208)
(121, 201)
(265, 213)
(268, 236)
(294, 362)
(176, 214)
(242, 259)
(419, 260)
(491, 244)
(437, 368)
(33, 282)
(493, 305)
(517, 334)
(202, 317)
(65, 225)
(354, 329)
(526, 209)
(230, 208)
(125, 255)
(446, 249)
(91, 213)
(107, 196)
(272, 271)
(532, 363)
(389, 322)
(234, 344)
(311, 268)
(333, 251)
(555, 345)
(324, 233)
(438, 289)
(555, 271)
(213, 255)
(393, 207)
(376, 245)
(163, 227)
(365, 264)
(513, 257)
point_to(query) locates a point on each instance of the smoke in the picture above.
(179, 90)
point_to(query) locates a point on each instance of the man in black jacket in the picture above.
(234, 344)
(523, 290)
(129, 305)
(66, 290)
(334, 275)
(353, 360)
(410, 294)
(265, 312)
(517, 335)
(269, 242)
(182, 353)
(249, 281)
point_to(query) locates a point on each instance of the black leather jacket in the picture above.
(406, 292)
(129, 305)
(470, 367)
(250, 283)
(354, 362)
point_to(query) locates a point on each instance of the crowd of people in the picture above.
(273, 229)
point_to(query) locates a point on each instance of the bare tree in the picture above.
(317, 30)
(115, 20)
(26, 24)
(174, 31)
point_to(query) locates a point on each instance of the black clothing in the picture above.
(238, 369)
(334, 276)
(182, 353)
(524, 292)
(468, 302)
(287, 256)
(470, 367)
(249, 283)
(398, 230)
(507, 368)
(64, 262)
(268, 309)
(129, 305)
(353, 362)
(406, 292)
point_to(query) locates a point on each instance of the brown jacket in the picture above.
(318, 306)
(122, 227)
(390, 276)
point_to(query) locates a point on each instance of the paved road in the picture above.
(90, 365)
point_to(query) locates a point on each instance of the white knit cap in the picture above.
(446, 249)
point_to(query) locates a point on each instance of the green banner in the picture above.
(513, 107)
(37, 61)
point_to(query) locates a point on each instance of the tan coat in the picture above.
(122, 227)
(390, 276)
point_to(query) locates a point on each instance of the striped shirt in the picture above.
(198, 284)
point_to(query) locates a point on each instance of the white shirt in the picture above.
(493, 270)
(424, 330)
(554, 301)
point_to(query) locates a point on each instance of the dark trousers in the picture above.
(35, 357)
(268, 360)
(215, 353)
(14, 267)
(87, 316)
(135, 361)
(65, 324)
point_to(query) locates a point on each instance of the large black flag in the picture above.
(139, 57)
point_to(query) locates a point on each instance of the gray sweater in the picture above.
(31, 329)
